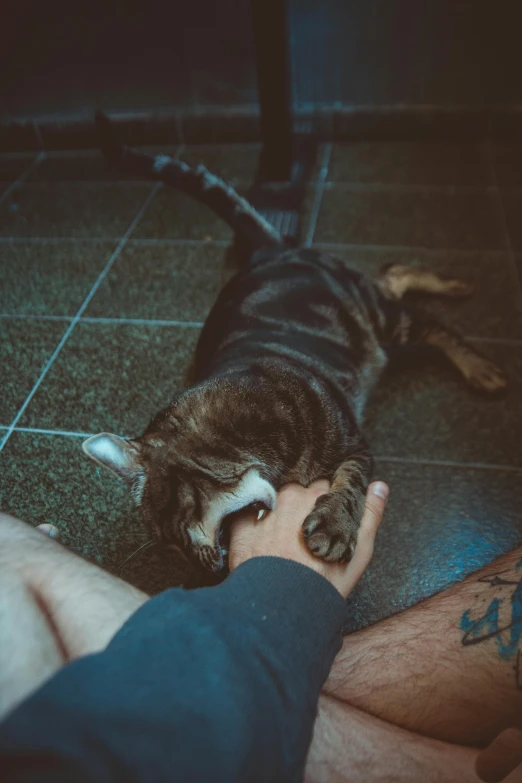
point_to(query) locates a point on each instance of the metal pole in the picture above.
(271, 40)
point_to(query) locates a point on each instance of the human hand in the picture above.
(280, 535)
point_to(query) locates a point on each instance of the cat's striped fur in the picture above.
(283, 368)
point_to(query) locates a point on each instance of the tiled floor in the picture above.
(104, 287)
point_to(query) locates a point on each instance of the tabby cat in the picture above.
(283, 368)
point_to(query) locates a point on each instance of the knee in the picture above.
(17, 538)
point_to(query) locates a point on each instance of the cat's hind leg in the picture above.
(330, 530)
(395, 280)
(416, 327)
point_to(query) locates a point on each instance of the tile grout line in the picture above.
(378, 457)
(83, 307)
(457, 251)
(153, 241)
(319, 190)
(503, 219)
(449, 463)
(61, 433)
(377, 187)
(143, 322)
(193, 324)
(23, 176)
(389, 187)
(102, 319)
(136, 241)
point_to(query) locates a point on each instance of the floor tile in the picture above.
(512, 202)
(494, 309)
(25, 347)
(410, 163)
(49, 479)
(112, 377)
(71, 210)
(420, 219)
(163, 282)
(507, 159)
(173, 215)
(49, 278)
(441, 524)
(421, 409)
(87, 165)
(11, 166)
(233, 162)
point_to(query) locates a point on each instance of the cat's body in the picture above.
(283, 368)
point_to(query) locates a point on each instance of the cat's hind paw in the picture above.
(486, 376)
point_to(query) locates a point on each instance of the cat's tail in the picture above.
(196, 182)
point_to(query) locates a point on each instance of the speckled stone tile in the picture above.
(507, 158)
(410, 163)
(441, 524)
(417, 218)
(25, 347)
(112, 377)
(233, 162)
(494, 309)
(173, 215)
(161, 281)
(512, 201)
(71, 210)
(11, 166)
(421, 409)
(85, 165)
(49, 479)
(49, 278)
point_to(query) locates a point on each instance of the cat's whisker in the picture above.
(141, 548)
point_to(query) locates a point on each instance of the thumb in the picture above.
(376, 499)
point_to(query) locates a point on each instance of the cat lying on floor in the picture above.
(283, 368)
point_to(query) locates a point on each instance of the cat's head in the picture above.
(186, 491)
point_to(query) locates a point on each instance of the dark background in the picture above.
(66, 60)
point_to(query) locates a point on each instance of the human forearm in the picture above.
(222, 683)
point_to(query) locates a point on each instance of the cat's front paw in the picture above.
(330, 531)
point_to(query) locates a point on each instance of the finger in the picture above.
(49, 530)
(501, 757)
(375, 504)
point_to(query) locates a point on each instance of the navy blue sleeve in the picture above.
(217, 684)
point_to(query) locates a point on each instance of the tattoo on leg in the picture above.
(506, 632)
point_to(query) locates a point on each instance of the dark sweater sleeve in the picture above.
(216, 684)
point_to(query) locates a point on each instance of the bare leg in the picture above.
(450, 667)
(77, 608)
(350, 746)
(396, 280)
(54, 607)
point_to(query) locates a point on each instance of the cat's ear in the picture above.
(115, 453)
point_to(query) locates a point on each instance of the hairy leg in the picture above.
(450, 667)
(350, 746)
(63, 607)
(54, 607)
